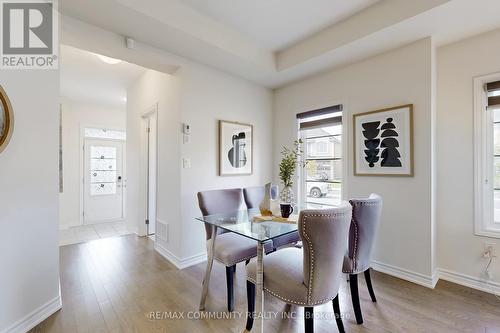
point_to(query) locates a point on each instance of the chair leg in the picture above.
(309, 319)
(338, 317)
(353, 282)
(230, 287)
(369, 284)
(251, 304)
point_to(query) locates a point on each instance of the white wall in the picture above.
(459, 249)
(154, 89)
(74, 115)
(29, 259)
(207, 96)
(398, 77)
(199, 96)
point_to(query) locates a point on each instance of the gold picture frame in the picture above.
(6, 119)
(226, 168)
(408, 163)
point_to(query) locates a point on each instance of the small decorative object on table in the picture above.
(291, 158)
(286, 210)
(270, 201)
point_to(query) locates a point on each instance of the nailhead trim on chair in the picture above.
(311, 275)
(290, 301)
(235, 262)
(355, 222)
(239, 260)
(311, 267)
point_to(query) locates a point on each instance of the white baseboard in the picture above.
(180, 263)
(440, 273)
(36, 317)
(470, 281)
(421, 279)
(66, 226)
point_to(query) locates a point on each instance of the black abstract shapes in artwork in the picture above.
(390, 154)
(237, 155)
(371, 156)
(371, 131)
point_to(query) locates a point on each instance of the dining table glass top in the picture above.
(249, 223)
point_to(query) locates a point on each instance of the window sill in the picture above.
(491, 233)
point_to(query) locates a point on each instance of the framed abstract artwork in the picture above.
(235, 148)
(6, 119)
(383, 142)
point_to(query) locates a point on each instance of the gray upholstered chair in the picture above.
(365, 220)
(253, 197)
(310, 276)
(230, 248)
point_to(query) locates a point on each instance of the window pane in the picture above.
(102, 176)
(100, 133)
(322, 176)
(103, 164)
(496, 205)
(103, 189)
(496, 171)
(496, 138)
(496, 115)
(324, 147)
(324, 170)
(102, 152)
(321, 193)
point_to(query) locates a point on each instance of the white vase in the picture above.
(265, 205)
(287, 195)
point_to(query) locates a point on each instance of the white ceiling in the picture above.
(270, 42)
(276, 24)
(84, 77)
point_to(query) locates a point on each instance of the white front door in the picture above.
(103, 181)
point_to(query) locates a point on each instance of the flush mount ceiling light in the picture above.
(108, 60)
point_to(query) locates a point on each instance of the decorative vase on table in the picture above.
(275, 202)
(270, 193)
(287, 195)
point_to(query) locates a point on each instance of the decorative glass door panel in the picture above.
(103, 176)
(103, 180)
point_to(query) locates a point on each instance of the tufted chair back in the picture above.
(219, 201)
(365, 221)
(324, 234)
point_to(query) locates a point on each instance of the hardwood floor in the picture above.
(113, 284)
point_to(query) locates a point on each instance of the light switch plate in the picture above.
(186, 163)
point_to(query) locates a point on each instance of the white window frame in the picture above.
(301, 174)
(484, 223)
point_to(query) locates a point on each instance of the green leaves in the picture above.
(291, 158)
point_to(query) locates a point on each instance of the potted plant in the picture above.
(291, 158)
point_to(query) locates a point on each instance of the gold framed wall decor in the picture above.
(235, 148)
(6, 119)
(383, 142)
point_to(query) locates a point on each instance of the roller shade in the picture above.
(320, 118)
(493, 90)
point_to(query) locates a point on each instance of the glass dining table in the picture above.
(247, 223)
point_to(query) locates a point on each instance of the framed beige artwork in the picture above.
(235, 148)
